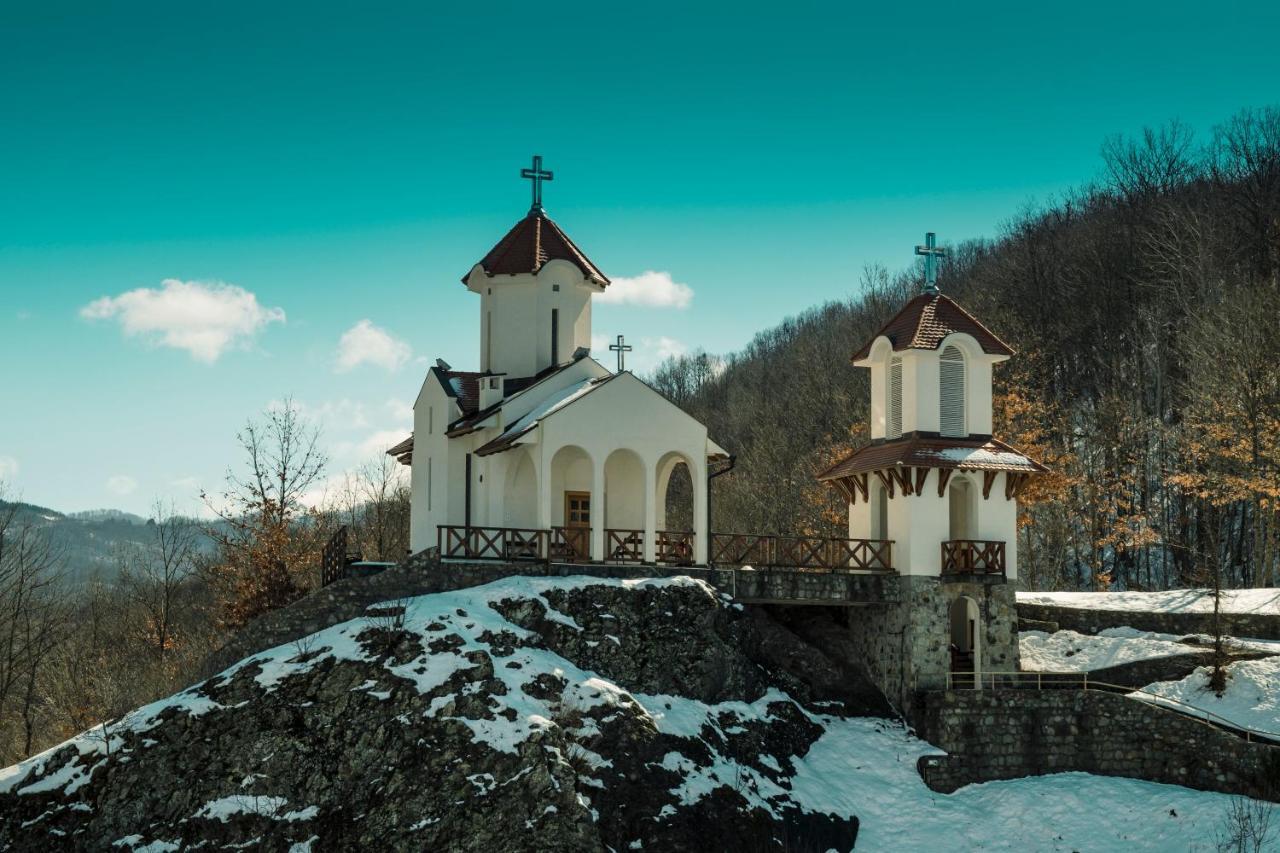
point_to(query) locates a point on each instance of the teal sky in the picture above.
(344, 164)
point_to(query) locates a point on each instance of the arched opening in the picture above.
(674, 509)
(520, 492)
(572, 504)
(951, 393)
(624, 499)
(879, 511)
(961, 508)
(966, 642)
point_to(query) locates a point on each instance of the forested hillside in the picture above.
(1144, 311)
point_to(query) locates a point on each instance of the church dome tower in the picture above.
(535, 288)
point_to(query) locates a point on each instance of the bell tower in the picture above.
(535, 289)
(937, 485)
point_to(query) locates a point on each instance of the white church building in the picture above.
(544, 453)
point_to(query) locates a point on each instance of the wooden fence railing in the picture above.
(334, 557)
(491, 543)
(623, 546)
(674, 548)
(801, 552)
(973, 557)
(571, 544)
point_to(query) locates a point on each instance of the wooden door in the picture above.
(577, 509)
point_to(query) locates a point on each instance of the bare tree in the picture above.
(267, 548)
(153, 575)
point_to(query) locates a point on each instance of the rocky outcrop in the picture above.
(529, 714)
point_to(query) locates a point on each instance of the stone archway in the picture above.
(964, 618)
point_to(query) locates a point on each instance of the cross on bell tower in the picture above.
(621, 349)
(537, 175)
(931, 254)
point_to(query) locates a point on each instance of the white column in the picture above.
(702, 536)
(650, 510)
(597, 507)
(542, 470)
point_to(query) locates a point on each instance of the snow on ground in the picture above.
(1192, 641)
(1251, 700)
(859, 766)
(1265, 601)
(1067, 651)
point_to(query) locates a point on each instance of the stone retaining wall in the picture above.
(1257, 625)
(1007, 734)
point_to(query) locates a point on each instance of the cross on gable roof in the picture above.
(924, 322)
(530, 244)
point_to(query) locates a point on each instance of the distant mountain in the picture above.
(90, 540)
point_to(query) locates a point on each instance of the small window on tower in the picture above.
(952, 393)
(893, 409)
(555, 288)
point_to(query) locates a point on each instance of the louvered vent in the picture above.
(951, 408)
(893, 417)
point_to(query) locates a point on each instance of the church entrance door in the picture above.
(576, 545)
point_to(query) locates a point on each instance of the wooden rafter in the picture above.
(944, 474)
(922, 474)
(843, 486)
(887, 480)
(860, 482)
(988, 480)
(903, 476)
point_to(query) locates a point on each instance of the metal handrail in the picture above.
(1023, 680)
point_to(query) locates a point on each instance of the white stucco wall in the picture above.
(921, 371)
(432, 412)
(515, 311)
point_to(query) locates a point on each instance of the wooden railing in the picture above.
(973, 557)
(623, 546)
(334, 558)
(674, 548)
(801, 552)
(491, 543)
(570, 544)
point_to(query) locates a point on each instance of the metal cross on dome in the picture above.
(931, 254)
(537, 175)
(621, 349)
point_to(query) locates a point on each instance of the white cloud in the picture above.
(8, 469)
(121, 485)
(663, 348)
(365, 343)
(330, 415)
(203, 318)
(401, 411)
(187, 485)
(649, 289)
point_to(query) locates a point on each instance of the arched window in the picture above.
(893, 411)
(952, 393)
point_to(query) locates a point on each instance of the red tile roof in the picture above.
(965, 454)
(532, 242)
(925, 321)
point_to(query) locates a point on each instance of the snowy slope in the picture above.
(1251, 700)
(470, 663)
(1068, 651)
(1265, 601)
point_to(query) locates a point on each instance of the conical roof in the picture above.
(531, 243)
(924, 322)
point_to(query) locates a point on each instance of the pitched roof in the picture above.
(965, 454)
(532, 242)
(552, 404)
(925, 321)
(403, 452)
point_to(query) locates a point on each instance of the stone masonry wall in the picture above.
(1258, 625)
(906, 646)
(1006, 734)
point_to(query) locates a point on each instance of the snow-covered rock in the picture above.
(1261, 601)
(1251, 699)
(567, 714)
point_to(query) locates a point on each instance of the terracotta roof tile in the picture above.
(925, 321)
(532, 242)
(965, 454)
